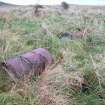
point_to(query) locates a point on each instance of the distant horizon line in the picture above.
(81, 4)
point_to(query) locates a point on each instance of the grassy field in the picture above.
(80, 59)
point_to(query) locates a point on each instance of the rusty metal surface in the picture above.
(71, 35)
(33, 62)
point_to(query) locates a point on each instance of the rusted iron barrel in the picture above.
(71, 35)
(33, 63)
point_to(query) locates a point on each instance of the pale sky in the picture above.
(52, 2)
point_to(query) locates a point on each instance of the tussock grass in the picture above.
(87, 55)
